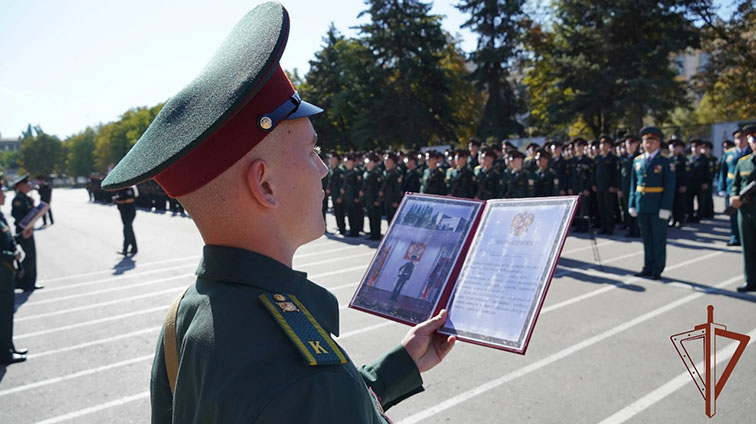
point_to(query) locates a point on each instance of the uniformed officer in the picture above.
(745, 173)
(490, 184)
(45, 195)
(336, 177)
(581, 171)
(371, 185)
(9, 253)
(251, 339)
(517, 182)
(473, 145)
(125, 199)
(559, 165)
(545, 179)
(625, 165)
(461, 179)
(730, 160)
(391, 189)
(707, 189)
(652, 188)
(681, 182)
(434, 178)
(696, 170)
(22, 205)
(412, 176)
(606, 183)
(351, 196)
(529, 163)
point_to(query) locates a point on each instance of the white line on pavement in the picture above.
(469, 394)
(85, 323)
(670, 387)
(115, 278)
(96, 408)
(94, 342)
(124, 268)
(363, 330)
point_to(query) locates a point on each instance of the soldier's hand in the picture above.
(27, 232)
(620, 195)
(20, 254)
(735, 202)
(426, 347)
(683, 189)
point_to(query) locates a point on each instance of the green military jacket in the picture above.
(652, 184)
(434, 182)
(545, 183)
(559, 165)
(392, 187)
(606, 174)
(412, 181)
(581, 173)
(238, 365)
(336, 181)
(698, 171)
(352, 185)
(7, 244)
(461, 182)
(517, 184)
(490, 184)
(371, 186)
(625, 165)
(744, 175)
(22, 204)
(730, 160)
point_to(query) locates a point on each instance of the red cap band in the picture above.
(237, 136)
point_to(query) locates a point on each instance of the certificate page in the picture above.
(504, 278)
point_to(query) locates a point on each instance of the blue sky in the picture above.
(66, 65)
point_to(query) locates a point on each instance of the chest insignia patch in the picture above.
(313, 343)
(657, 169)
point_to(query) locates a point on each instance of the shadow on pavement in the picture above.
(354, 241)
(125, 264)
(21, 298)
(574, 268)
(712, 290)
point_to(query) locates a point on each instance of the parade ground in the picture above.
(600, 352)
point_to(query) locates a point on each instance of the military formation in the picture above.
(675, 182)
(151, 196)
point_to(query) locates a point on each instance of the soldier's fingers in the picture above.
(433, 324)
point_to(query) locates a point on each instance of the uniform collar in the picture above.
(234, 265)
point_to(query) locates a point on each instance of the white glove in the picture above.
(633, 212)
(722, 193)
(20, 254)
(664, 214)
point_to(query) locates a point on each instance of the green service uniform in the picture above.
(517, 184)
(625, 165)
(582, 181)
(391, 192)
(412, 181)
(545, 183)
(698, 168)
(708, 193)
(606, 182)
(371, 186)
(22, 204)
(681, 180)
(651, 189)
(745, 173)
(237, 363)
(490, 184)
(336, 177)
(559, 165)
(7, 285)
(434, 182)
(461, 182)
(353, 200)
(730, 160)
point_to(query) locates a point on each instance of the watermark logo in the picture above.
(708, 384)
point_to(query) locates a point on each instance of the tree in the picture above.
(498, 24)
(41, 153)
(409, 91)
(80, 153)
(114, 139)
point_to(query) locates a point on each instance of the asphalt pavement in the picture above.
(600, 352)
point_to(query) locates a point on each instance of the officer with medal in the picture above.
(22, 205)
(652, 190)
(9, 253)
(251, 339)
(745, 173)
(730, 160)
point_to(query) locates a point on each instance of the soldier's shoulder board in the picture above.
(313, 343)
(746, 157)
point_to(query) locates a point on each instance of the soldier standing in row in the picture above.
(351, 197)
(336, 183)
(651, 194)
(581, 170)
(606, 184)
(707, 189)
(745, 173)
(9, 253)
(517, 179)
(474, 146)
(559, 165)
(391, 190)
(125, 199)
(45, 195)
(545, 179)
(626, 168)
(371, 186)
(412, 177)
(461, 179)
(697, 168)
(730, 160)
(681, 183)
(434, 177)
(22, 205)
(489, 181)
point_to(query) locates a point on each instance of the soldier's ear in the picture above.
(260, 185)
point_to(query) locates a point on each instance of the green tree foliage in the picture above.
(409, 91)
(80, 153)
(729, 77)
(608, 63)
(498, 24)
(114, 139)
(40, 152)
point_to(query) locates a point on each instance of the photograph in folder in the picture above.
(488, 263)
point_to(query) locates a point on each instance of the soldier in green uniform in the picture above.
(625, 165)
(336, 177)
(391, 190)
(461, 179)
(490, 184)
(730, 160)
(22, 204)
(745, 173)
(681, 182)
(581, 171)
(707, 190)
(250, 341)
(434, 178)
(351, 196)
(412, 176)
(9, 253)
(606, 184)
(473, 145)
(559, 165)
(545, 179)
(125, 199)
(651, 193)
(371, 186)
(696, 169)
(516, 185)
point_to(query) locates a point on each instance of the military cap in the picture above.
(556, 144)
(737, 130)
(749, 129)
(728, 144)
(677, 142)
(231, 106)
(392, 156)
(632, 137)
(489, 152)
(474, 141)
(652, 131)
(372, 157)
(579, 141)
(463, 153)
(604, 137)
(708, 144)
(515, 154)
(508, 144)
(695, 142)
(543, 153)
(20, 179)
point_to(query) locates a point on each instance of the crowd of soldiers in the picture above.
(371, 184)
(150, 196)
